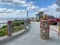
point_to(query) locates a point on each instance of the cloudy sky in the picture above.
(18, 8)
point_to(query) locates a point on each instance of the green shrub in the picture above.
(15, 24)
(2, 33)
(22, 22)
(16, 28)
(4, 26)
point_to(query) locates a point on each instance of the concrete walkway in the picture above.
(32, 37)
(55, 28)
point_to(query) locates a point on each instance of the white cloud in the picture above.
(53, 6)
(43, 9)
(16, 13)
(5, 10)
(14, 2)
(32, 7)
(50, 10)
(11, 13)
(21, 3)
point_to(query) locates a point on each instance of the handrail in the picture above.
(9, 24)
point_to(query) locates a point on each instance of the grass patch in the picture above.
(17, 25)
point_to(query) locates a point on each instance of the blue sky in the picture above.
(42, 3)
(25, 4)
(39, 3)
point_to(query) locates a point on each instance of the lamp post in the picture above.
(27, 14)
(30, 7)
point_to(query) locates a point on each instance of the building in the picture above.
(39, 15)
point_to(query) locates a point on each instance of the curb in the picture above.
(6, 39)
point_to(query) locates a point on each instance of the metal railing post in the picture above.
(9, 28)
(27, 24)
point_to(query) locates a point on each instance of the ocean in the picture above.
(5, 20)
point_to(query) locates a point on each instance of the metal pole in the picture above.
(27, 14)
(9, 28)
(59, 14)
(56, 14)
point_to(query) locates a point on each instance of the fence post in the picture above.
(9, 28)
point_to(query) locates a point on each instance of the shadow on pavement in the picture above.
(54, 40)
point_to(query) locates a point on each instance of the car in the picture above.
(58, 19)
(52, 20)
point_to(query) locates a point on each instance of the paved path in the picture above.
(32, 37)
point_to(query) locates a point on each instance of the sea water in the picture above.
(3, 21)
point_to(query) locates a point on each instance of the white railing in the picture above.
(9, 23)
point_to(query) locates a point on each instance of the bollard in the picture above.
(44, 29)
(9, 28)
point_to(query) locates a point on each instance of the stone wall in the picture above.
(44, 29)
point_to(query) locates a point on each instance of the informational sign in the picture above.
(58, 2)
(58, 9)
